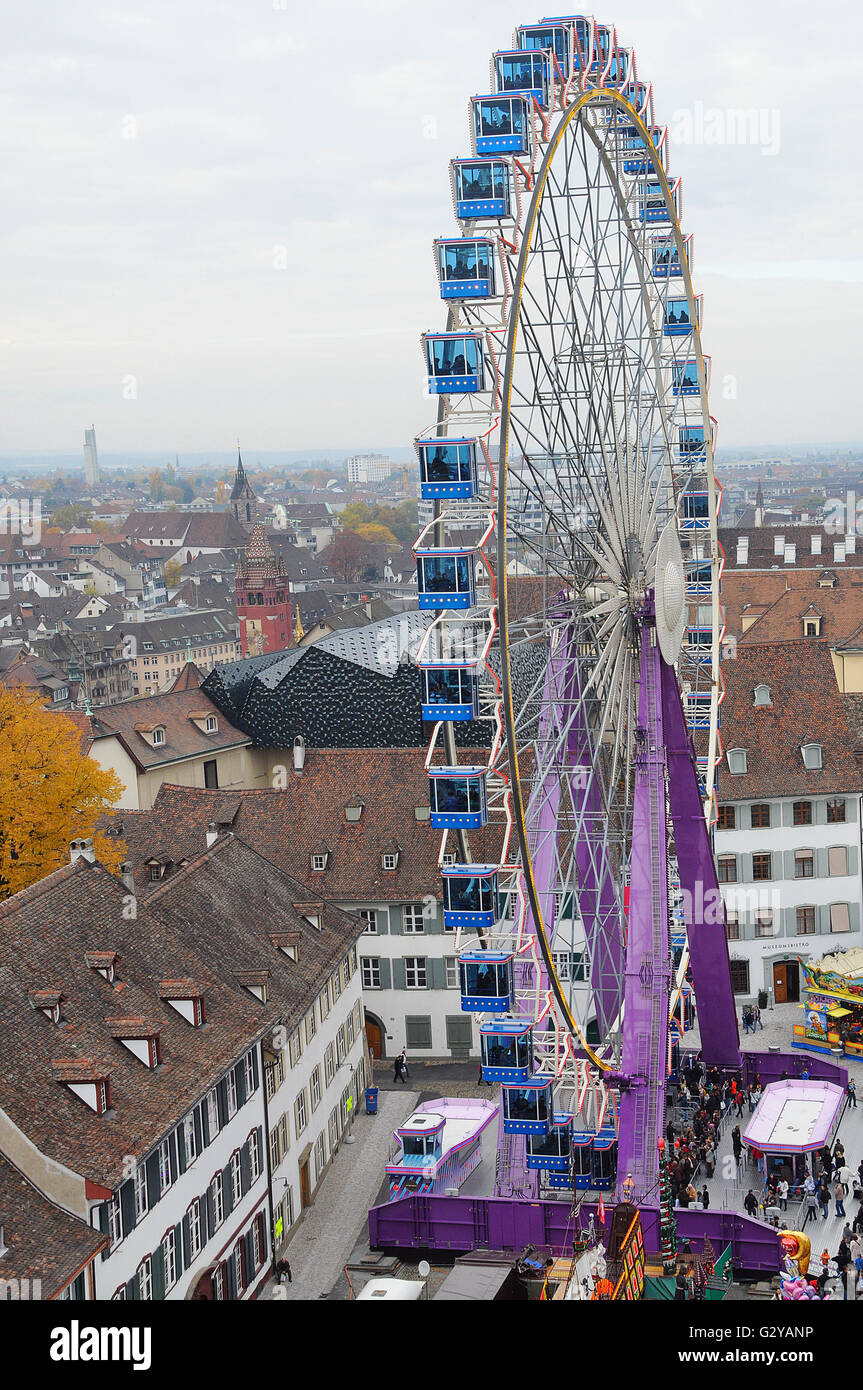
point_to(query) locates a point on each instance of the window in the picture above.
(810, 627)
(300, 1114)
(219, 1283)
(418, 1032)
(726, 818)
(764, 922)
(835, 812)
(231, 1087)
(115, 1220)
(169, 1255)
(762, 695)
(319, 863)
(413, 919)
(371, 973)
(811, 755)
(212, 724)
(726, 868)
(804, 863)
(211, 773)
(295, 1047)
(154, 873)
(329, 1064)
(341, 1045)
(212, 1112)
(274, 1073)
(736, 761)
(459, 1036)
(740, 976)
(760, 816)
(315, 1085)
(390, 861)
(236, 1178)
(189, 1139)
(158, 737)
(324, 1002)
(218, 1200)
(351, 1031)
(839, 917)
(802, 812)
(194, 1224)
(320, 1156)
(732, 926)
(311, 1025)
(805, 921)
(145, 1280)
(370, 917)
(334, 1129)
(239, 1258)
(249, 1072)
(837, 860)
(336, 985)
(762, 866)
(415, 972)
(165, 1165)
(254, 1156)
(140, 1191)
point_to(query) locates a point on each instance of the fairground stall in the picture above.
(792, 1120)
(833, 1004)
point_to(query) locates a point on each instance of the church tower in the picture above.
(263, 598)
(244, 502)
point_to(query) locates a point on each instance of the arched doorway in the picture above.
(375, 1037)
(202, 1290)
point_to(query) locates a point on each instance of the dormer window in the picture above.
(812, 755)
(313, 913)
(762, 695)
(354, 810)
(140, 1036)
(186, 998)
(212, 725)
(87, 1079)
(826, 579)
(288, 943)
(158, 736)
(736, 761)
(257, 982)
(812, 625)
(154, 871)
(49, 1002)
(390, 856)
(319, 858)
(103, 962)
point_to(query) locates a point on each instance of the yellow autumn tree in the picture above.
(50, 793)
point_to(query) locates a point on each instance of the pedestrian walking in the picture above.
(839, 1194)
(782, 1194)
(405, 1063)
(811, 1209)
(705, 1198)
(852, 1095)
(283, 1271)
(398, 1069)
(823, 1195)
(758, 1019)
(750, 1202)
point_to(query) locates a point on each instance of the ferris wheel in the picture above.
(570, 558)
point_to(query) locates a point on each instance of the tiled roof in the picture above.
(287, 827)
(175, 711)
(761, 554)
(46, 932)
(43, 1241)
(781, 601)
(805, 707)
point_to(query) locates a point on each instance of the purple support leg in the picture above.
(648, 947)
(703, 907)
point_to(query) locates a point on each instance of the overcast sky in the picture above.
(161, 162)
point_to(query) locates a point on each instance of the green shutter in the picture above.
(386, 974)
(398, 973)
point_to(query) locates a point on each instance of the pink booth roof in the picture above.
(794, 1116)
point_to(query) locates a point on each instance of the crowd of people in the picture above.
(707, 1098)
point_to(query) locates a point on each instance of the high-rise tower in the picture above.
(263, 598)
(91, 457)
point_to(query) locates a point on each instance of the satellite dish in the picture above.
(424, 1269)
(670, 590)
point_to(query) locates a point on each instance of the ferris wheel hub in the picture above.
(670, 593)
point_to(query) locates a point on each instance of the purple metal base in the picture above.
(460, 1224)
(777, 1066)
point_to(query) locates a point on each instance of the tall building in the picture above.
(244, 502)
(91, 457)
(369, 468)
(263, 598)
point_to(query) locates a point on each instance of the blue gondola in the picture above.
(485, 979)
(696, 707)
(638, 95)
(454, 362)
(698, 575)
(527, 1109)
(619, 70)
(677, 322)
(506, 1046)
(446, 577)
(602, 47)
(651, 200)
(695, 511)
(481, 188)
(447, 467)
(699, 642)
(470, 897)
(684, 379)
(604, 1155)
(458, 800)
(501, 124)
(666, 260)
(551, 1152)
(582, 1159)
(691, 442)
(552, 37)
(465, 267)
(523, 71)
(450, 692)
(636, 155)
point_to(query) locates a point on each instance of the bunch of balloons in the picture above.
(793, 1290)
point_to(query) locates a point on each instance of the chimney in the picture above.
(82, 849)
(816, 544)
(212, 834)
(127, 876)
(743, 550)
(299, 755)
